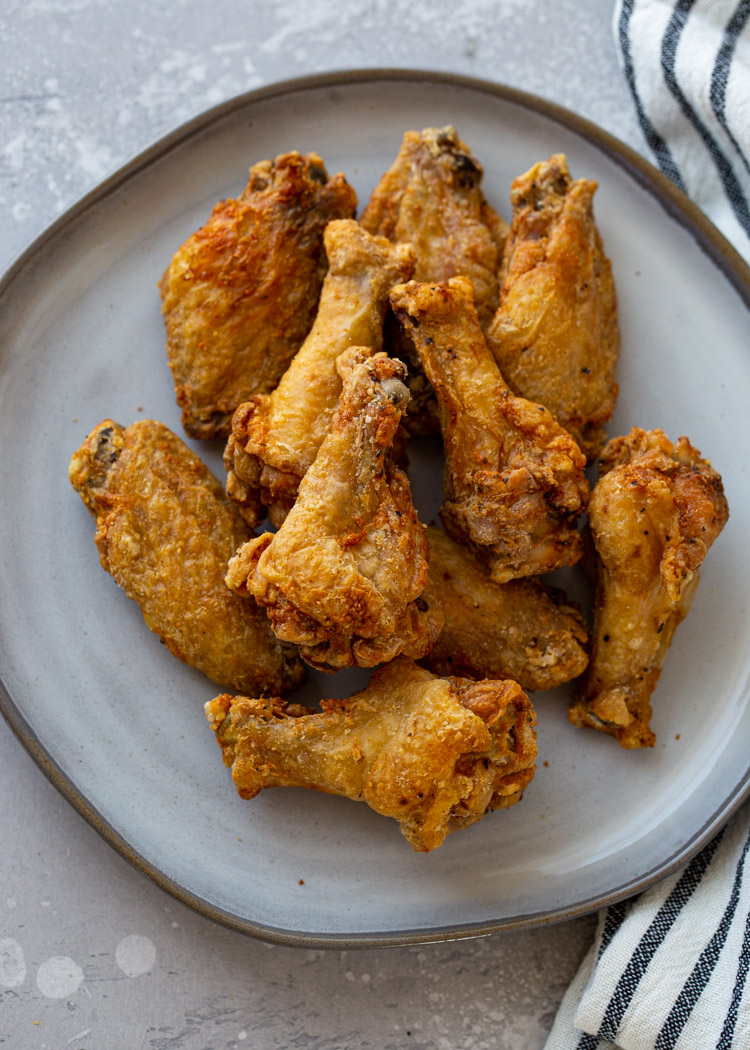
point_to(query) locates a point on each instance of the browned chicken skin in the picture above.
(436, 754)
(513, 480)
(165, 531)
(555, 335)
(654, 513)
(520, 629)
(431, 198)
(276, 437)
(240, 295)
(345, 577)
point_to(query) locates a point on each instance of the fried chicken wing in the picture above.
(436, 754)
(520, 629)
(345, 577)
(513, 479)
(240, 295)
(165, 532)
(555, 335)
(276, 437)
(654, 513)
(431, 198)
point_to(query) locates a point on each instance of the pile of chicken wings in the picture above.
(316, 345)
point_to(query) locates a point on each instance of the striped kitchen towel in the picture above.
(668, 970)
(687, 63)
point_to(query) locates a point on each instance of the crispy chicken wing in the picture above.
(345, 577)
(165, 531)
(654, 513)
(555, 335)
(520, 629)
(240, 295)
(431, 198)
(276, 437)
(436, 754)
(513, 479)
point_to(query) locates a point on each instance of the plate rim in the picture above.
(677, 205)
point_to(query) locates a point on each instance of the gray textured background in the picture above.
(85, 84)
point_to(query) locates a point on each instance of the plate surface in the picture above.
(118, 724)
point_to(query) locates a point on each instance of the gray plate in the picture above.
(118, 725)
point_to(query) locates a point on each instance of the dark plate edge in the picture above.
(675, 203)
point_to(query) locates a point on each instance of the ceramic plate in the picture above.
(118, 724)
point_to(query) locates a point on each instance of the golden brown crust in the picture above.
(431, 198)
(435, 754)
(513, 480)
(345, 577)
(240, 295)
(555, 335)
(165, 531)
(654, 513)
(276, 437)
(521, 629)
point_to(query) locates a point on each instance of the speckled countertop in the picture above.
(92, 956)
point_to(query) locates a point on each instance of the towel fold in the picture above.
(668, 969)
(687, 63)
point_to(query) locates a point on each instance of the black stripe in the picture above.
(727, 1032)
(652, 938)
(587, 1042)
(669, 45)
(704, 967)
(657, 144)
(720, 75)
(612, 922)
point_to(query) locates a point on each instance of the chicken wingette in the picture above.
(165, 531)
(240, 295)
(556, 335)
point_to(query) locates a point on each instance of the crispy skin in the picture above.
(555, 335)
(513, 478)
(240, 295)
(276, 437)
(520, 629)
(165, 531)
(434, 753)
(345, 577)
(431, 198)
(654, 513)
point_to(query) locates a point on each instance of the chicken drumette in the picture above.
(653, 514)
(165, 531)
(240, 295)
(345, 577)
(555, 335)
(436, 754)
(513, 479)
(276, 437)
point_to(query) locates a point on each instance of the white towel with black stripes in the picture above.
(668, 970)
(687, 64)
